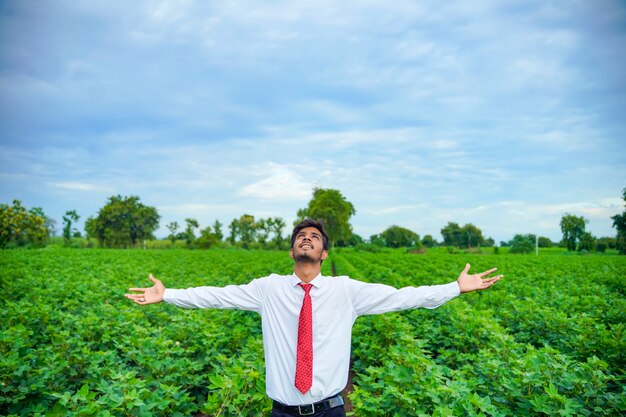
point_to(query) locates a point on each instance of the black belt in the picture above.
(309, 409)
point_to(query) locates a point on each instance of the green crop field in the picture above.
(547, 340)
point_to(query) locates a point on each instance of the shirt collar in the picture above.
(317, 281)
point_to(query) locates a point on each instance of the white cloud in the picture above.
(280, 183)
(78, 186)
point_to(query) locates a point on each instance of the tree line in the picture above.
(246, 232)
(125, 222)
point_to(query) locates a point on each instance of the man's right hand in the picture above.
(150, 295)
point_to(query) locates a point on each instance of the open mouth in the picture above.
(306, 245)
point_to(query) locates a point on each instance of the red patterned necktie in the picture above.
(304, 354)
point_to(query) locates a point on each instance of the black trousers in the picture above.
(333, 412)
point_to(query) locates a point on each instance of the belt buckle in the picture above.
(306, 407)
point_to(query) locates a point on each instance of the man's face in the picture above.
(308, 246)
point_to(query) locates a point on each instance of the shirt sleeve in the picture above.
(379, 298)
(242, 297)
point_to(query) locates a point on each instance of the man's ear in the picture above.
(324, 254)
(291, 253)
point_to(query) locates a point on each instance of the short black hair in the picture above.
(318, 224)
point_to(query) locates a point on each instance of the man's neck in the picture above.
(307, 271)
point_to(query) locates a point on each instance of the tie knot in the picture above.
(306, 287)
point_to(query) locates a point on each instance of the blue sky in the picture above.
(503, 114)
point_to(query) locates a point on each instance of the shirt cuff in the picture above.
(169, 295)
(452, 289)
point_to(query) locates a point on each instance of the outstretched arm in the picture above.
(151, 295)
(468, 283)
(369, 298)
(242, 297)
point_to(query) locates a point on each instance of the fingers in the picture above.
(489, 282)
(143, 292)
(467, 268)
(484, 274)
(138, 298)
(493, 279)
(152, 278)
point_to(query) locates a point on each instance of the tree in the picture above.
(247, 232)
(190, 236)
(619, 223)
(234, 231)
(330, 207)
(396, 236)
(277, 225)
(471, 236)
(217, 230)
(530, 237)
(428, 241)
(21, 227)
(377, 240)
(244, 230)
(587, 242)
(451, 234)
(70, 217)
(262, 231)
(173, 228)
(466, 236)
(606, 242)
(123, 222)
(50, 223)
(207, 238)
(91, 228)
(522, 243)
(545, 242)
(573, 228)
(355, 240)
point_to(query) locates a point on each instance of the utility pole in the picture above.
(536, 245)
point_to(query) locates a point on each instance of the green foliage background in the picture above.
(546, 340)
(20, 227)
(332, 208)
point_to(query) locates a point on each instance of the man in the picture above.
(307, 319)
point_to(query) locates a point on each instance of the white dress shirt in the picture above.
(337, 302)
